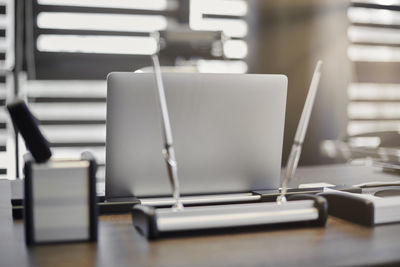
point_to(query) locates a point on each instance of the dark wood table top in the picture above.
(340, 243)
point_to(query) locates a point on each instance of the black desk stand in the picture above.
(156, 222)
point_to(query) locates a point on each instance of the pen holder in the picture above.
(60, 200)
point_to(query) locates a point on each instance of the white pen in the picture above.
(295, 152)
(168, 151)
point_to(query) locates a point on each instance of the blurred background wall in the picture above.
(290, 36)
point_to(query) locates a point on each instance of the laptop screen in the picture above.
(227, 129)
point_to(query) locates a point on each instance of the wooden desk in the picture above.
(339, 243)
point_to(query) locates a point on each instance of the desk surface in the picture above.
(339, 243)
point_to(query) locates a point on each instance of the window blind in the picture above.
(6, 82)
(374, 49)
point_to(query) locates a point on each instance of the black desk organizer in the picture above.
(54, 212)
(154, 223)
(364, 209)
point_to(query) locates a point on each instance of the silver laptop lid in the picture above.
(228, 133)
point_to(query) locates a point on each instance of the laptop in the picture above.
(227, 130)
